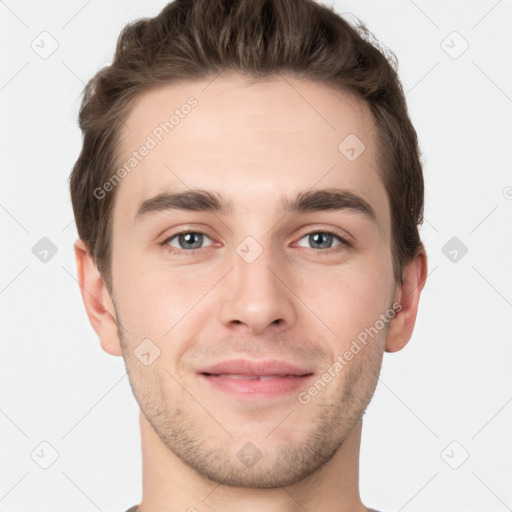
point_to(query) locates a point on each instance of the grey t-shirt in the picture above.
(135, 509)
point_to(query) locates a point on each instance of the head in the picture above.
(275, 121)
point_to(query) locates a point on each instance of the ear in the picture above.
(408, 295)
(97, 301)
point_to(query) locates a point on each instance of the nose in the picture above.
(256, 296)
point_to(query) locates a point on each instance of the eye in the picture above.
(185, 242)
(323, 240)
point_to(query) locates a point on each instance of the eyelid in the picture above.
(343, 235)
(169, 233)
(167, 239)
(343, 241)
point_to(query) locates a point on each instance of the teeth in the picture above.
(237, 376)
(249, 377)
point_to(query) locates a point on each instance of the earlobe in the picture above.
(402, 325)
(97, 301)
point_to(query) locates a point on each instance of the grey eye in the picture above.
(188, 240)
(321, 240)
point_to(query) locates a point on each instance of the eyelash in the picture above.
(187, 252)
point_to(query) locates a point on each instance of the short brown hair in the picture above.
(196, 39)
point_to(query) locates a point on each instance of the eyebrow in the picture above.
(204, 200)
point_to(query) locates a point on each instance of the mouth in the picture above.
(249, 377)
(260, 379)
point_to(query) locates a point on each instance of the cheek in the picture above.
(144, 303)
(158, 302)
(349, 298)
(153, 297)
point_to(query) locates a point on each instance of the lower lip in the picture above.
(255, 387)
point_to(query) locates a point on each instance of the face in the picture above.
(239, 309)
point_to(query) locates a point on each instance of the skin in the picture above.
(252, 144)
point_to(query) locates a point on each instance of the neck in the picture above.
(169, 485)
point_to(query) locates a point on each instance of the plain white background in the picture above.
(437, 433)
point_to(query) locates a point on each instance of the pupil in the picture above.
(187, 238)
(317, 239)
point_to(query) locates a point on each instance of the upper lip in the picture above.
(245, 367)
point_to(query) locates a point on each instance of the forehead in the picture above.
(254, 142)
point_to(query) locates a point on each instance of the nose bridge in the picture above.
(253, 294)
